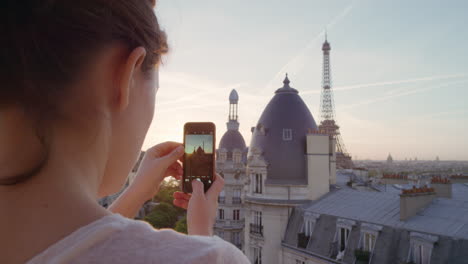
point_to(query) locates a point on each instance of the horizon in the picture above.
(404, 97)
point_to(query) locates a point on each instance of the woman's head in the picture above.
(82, 70)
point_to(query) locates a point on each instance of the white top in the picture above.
(116, 239)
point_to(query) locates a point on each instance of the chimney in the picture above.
(442, 187)
(459, 178)
(413, 200)
(318, 165)
(394, 179)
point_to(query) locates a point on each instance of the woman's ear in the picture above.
(131, 67)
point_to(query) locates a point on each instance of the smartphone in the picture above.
(199, 158)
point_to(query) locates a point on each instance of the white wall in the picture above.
(318, 165)
(274, 220)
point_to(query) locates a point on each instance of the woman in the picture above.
(79, 80)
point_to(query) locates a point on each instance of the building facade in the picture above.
(289, 164)
(230, 164)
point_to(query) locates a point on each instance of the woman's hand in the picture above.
(159, 162)
(201, 207)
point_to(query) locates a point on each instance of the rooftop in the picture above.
(446, 217)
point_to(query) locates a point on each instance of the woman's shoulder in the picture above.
(173, 247)
(116, 239)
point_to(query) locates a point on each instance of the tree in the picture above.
(181, 225)
(164, 215)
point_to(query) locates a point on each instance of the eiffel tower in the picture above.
(327, 112)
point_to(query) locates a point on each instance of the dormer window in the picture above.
(237, 156)
(343, 236)
(343, 231)
(222, 155)
(261, 130)
(287, 134)
(369, 235)
(421, 246)
(306, 230)
(258, 183)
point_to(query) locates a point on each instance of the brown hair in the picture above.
(47, 43)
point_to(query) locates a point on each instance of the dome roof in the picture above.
(233, 97)
(286, 114)
(231, 140)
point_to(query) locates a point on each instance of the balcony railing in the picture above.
(221, 199)
(256, 229)
(302, 240)
(236, 200)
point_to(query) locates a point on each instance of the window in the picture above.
(308, 227)
(369, 241)
(298, 261)
(369, 235)
(236, 238)
(221, 197)
(235, 214)
(257, 255)
(237, 156)
(420, 254)
(221, 214)
(421, 246)
(343, 238)
(221, 234)
(222, 155)
(257, 218)
(287, 134)
(256, 225)
(258, 183)
(236, 196)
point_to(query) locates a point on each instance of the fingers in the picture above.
(181, 196)
(215, 188)
(197, 189)
(173, 156)
(162, 149)
(175, 170)
(181, 203)
(181, 199)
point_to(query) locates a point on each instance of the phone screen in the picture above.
(198, 158)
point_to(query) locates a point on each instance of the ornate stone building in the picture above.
(289, 164)
(230, 164)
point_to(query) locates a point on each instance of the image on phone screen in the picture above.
(198, 159)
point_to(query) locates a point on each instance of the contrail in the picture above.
(408, 92)
(367, 85)
(296, 61)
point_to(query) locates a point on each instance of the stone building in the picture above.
(289, 164)
(230, 164)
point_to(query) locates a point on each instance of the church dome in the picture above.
(281, 136)
(231, 140)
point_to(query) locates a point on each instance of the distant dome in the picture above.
(231, 140)
(233, 97)
(286, 112)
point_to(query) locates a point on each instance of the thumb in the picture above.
(173, 156)
(197, 189)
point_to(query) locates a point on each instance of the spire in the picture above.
(286, 81)
(233, 123)
(286, 88)
(325, 35)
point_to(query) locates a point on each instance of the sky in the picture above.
(399, 69)
(192, 142)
